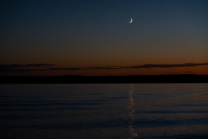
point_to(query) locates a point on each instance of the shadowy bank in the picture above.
(179, 78)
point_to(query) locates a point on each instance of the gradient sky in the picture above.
(77, 34)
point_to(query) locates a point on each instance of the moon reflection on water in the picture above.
(132, 112)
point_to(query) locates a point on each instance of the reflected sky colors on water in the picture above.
(103, 111)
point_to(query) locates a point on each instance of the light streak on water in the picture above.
(132, 112)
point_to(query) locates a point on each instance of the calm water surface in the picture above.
(104, 111)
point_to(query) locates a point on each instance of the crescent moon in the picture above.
(131, 20)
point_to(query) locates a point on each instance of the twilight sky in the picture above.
(94, 37)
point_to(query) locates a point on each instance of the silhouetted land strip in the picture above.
(186, 78)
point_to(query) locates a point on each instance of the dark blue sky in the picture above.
(80, 33)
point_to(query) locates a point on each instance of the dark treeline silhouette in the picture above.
(178, 78)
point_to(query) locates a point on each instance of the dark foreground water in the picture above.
(104, 111)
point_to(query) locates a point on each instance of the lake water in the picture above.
(103, 111)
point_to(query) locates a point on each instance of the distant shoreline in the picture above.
(76, 79)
